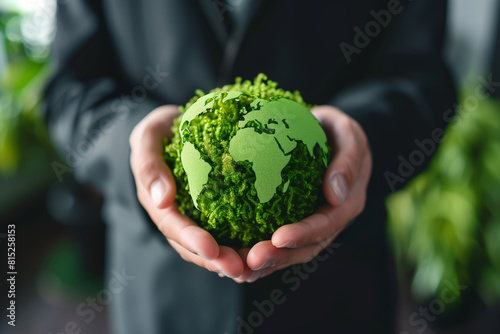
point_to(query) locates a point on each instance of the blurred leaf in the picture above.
(19, 74)
(489, 287)
(427, 277)
(445, 224)
(492, 241)
(9, 152)
(21, 85)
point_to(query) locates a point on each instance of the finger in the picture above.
(228, 263)
(328, 221)
(350, 147)
(264, 258)
(192, 257)
(324, 224)
(159, 121)
(247, 272)
(153, 178)
(185, 232)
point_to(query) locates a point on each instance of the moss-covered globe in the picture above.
(247, 159)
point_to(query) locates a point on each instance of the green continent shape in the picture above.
(205, 104)
(267, 159)
(196, 168)
(268, 135)
(292, 122)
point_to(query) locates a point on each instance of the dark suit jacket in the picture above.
(115, 60)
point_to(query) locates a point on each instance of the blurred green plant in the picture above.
(445, 224)
(21, 83)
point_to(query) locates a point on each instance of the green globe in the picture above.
(246, 162)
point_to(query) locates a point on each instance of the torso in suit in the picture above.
(117, 60)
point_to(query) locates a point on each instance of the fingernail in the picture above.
(289, 244)
(158, 191)
(202, 256)
(255, 276)
(222, 272)
(267, 264)
(339, 186)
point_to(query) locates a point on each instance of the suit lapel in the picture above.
(238, 38)
(215, 18)
(216, 12)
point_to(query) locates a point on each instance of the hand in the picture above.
(345, 183)
(156, 192)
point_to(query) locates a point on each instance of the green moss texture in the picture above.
(228, 205)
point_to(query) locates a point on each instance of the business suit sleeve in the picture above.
(90, 109)
(406, 96)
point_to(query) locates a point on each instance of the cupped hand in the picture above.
(156, 192)
(344, 185)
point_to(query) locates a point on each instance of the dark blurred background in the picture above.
(444, 226)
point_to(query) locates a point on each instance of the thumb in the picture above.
(339, 179)
(154, 181)
(347, 138)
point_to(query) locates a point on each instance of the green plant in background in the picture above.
(445, 225)
(25, 41)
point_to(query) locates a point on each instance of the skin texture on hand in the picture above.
(156, 192)
(344, 186)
